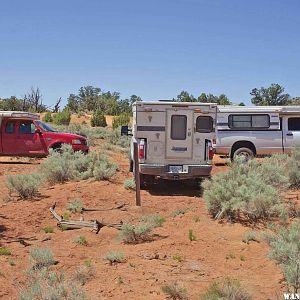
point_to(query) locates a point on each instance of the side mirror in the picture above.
(37, 130)
(125, 130)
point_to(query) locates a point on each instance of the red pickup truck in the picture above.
(23, 134)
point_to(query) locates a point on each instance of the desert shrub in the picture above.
(70, 165)
(129, 184)
(81, 240)
(179, 211)
(228, 289)
(115, 138)
(122, 119)
(155, 220)
(41, 258)
(114, 257)
(59, 167)
(174, 291)
(25, 185)
(75, 205)
(285, 250)
(4, 251)
(192, 237)
(293, 167)
(104, 169)
(178, 258)
(250, 236)
(134, 234)
(84, 273)
(44, 284)
(98, 119)
(247, 189)
(62, 118)
(48, 117)
(48, 229)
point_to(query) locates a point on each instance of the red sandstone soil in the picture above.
(217, 252)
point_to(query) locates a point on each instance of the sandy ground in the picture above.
(218, 251)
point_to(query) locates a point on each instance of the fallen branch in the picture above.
(120, 206)
(72, 224)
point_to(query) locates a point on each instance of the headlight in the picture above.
(76, 142)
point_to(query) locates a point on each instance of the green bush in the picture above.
(48, 117)
(129, 184)
(75, 205)
(98, 119)
(251, 236)
(192, 237)
(228, 289)
(48, 229)
(62, 118)
(104, 169)
(154, 220)
(25, 185)
(4, 251)
(285, 250)
(134, 234)
(83, 274)
(44, 284)
(174, 291)
(81, 240)
(115, 138)
(114, 257)
(122, 119)
(69, 165)
(249, 189)
(41, 258)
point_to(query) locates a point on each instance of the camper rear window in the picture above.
(178, 127)
(252, 122)
(204, 124)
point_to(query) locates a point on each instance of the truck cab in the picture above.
(23, 134)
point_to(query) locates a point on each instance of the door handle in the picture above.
(289, 134)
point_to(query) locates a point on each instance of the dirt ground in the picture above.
(217, 252)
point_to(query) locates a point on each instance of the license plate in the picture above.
(178, 169)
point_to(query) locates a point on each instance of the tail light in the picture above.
(142, 149)
(210, 150)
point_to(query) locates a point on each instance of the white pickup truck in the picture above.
(257, 130)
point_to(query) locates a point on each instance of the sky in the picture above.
(153, 49)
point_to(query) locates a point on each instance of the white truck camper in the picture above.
(257, 130)
(174, 139)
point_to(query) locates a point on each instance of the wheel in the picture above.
(244, 152)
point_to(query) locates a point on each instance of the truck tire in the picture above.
(244, 152)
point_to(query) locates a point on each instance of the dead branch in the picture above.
(72, 224)
(120, 206)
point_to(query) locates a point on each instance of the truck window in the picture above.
(294, 124)
(178, 127)
(204, 124)
(249, 121)
(26, 127)
(10, 127)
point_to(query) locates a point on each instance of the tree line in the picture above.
(91, 99)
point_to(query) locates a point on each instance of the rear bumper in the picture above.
(162, 171)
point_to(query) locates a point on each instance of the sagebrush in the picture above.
(227, 289)
(285, 250)
(44, 284)
(250, 190)
(25, 185)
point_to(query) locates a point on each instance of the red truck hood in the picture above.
(66, 134)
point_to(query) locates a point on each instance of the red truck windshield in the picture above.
(45, 126)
